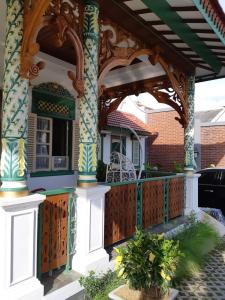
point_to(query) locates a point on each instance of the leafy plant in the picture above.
(178, 168)
(148, 262)
(97, 287)
(195, 242)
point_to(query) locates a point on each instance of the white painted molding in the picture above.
(191, 193)
(90, 252)
(18, 251)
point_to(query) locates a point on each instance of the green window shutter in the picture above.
(31, 145)
(75, 147)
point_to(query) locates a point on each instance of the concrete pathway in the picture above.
(209, 284)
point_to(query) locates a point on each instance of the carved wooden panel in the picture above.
(176, 197)
(120, 213)
(54, 232)
(153, 203)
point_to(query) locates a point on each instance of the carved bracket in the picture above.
(33, 21)
(61, 16)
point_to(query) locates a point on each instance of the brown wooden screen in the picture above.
(120, 213)
(176, 197)
(152, 203)
(54, 232)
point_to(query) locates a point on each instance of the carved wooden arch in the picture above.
(34, 20)
(119, 62)
(159, 87)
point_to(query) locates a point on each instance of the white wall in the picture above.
(106, 148)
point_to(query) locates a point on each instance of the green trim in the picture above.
(57, 192)
(163, 10)
(87, 173)
(144, 180)
(13, 179)
(87, 181)
(166, 201)
(51, 173)
(51, 99)
(13, 189)
(209, 20)
(139, 205)
(39, 244)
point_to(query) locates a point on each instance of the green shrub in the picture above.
(195, 242)
(97, 287)
(148, 261)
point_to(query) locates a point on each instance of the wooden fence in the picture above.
(142, 203)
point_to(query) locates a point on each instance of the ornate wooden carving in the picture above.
(119, 48)
(33, 21)
(64, 19)
(159, 87)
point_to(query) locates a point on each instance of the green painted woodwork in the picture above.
(39, 240)
(49, 105)
(51, 173)
(189, 130)
(89, 102)
(57, 192)
(166, 201)
(209, 20)
(139, 205)
(71, 229)
(15, 102)
(163, 10)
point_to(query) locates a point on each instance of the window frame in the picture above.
(135, 141)
(51, 157)
(50, 145)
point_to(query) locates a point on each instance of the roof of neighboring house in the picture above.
(124, 120)
(204, 116)
(208, 115)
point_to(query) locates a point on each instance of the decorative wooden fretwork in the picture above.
(53, 100)
(153, 203)
(54, 212)
(176, 197)
(120, 213)
(62, 18)
(160, 87)
(44, 106)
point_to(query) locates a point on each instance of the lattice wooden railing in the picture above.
(142, 203)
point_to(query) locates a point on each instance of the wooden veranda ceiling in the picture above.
(201, 48)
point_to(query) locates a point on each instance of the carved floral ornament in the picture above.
(117, 48)
(63, 18)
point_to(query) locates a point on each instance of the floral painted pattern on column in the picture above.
(15, 105)
(189, 130)
(89, 102)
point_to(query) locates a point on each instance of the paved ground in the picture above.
(209, 284)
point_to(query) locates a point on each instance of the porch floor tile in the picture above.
(209, 284)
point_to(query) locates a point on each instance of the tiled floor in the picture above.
(209, 284)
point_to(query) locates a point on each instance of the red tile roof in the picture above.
(122, 119)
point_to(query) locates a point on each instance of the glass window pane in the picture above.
(43, 137)
(42, 163)
(43, 124)
(42, 149)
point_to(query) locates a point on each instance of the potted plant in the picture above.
(148, 264)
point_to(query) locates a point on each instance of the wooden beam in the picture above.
(184, 8)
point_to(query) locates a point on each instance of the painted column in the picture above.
(191, 203)
(189, 130)
(14, 107)
(89, 102)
